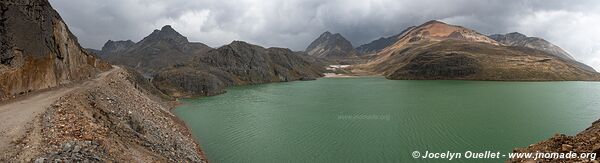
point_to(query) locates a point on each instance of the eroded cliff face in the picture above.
(38, 51)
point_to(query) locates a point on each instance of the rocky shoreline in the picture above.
(587, 141)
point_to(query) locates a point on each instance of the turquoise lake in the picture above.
(372, 119)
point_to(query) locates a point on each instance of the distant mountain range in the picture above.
(433, 50)
(183, 69)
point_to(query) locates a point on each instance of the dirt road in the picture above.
(17, 114)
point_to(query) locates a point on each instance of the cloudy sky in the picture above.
(572, 25)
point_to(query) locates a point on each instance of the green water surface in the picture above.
(372, 119)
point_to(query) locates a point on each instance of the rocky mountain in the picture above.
(518, 39)
(115, 47)
(37, 50)
(162, 48)
(521, 40)
(331, 46)
(381, 43)
(436, 50)
(238, 63)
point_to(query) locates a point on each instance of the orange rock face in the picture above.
(38, 51)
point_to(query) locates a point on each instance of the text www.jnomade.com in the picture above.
(498, 155)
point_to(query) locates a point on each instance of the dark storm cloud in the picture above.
(295, 23)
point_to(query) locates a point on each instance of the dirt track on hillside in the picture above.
(17, 115)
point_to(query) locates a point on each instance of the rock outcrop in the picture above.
(331, 46)
(37, 50)
(381, 43)
(238, 63)
(436, 50)
(161, 49)
(586, 141)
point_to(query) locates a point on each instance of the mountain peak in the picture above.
(116, 46)
(167, 27)
(437, 31)
(434, 22)
(328, 35)
(166, 33)
(239, 43)
(338, 35)
(516, 34)
(331, 45)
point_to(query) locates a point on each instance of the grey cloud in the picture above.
(295, 23)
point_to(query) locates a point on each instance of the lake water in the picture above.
(377, 120)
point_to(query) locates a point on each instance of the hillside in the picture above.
(436, 50)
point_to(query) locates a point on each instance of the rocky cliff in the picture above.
(161, 49)
(330, 45)
(37, 50)
(436, 50)
(238, 63)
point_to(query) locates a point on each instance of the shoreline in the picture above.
(188, 131)
(334, 75)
